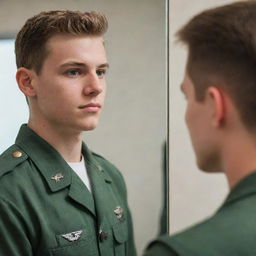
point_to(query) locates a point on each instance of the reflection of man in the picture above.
(56, 196)
(220, 87)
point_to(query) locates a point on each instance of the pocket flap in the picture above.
(120, 232)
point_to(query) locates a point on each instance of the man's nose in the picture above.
(92, 85)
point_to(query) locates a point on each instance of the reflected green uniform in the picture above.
(45, 208)
(230, 232)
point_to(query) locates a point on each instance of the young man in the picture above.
(56, 196)
(220, 88)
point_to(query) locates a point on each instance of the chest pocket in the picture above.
(120, 233)
(74, 244)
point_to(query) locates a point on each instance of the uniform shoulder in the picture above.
(10, 158)
(220, 233)
(168, 245)
(160, 247)
(190, 240)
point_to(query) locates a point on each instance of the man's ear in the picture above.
(217, 104)
(25, 80)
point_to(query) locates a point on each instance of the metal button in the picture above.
(17, 154)
(103, 236)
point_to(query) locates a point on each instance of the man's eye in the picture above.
(101, 72)
(74, 72)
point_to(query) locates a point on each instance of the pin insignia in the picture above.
(57, 177)
(119, 213)
(73, 236)
(100, 168)
(17, 154)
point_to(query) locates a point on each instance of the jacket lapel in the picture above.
(80, 193)
(100, 192)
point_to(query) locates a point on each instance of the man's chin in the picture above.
(89, 127)
(208, 168)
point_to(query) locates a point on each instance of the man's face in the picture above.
(198, 119)
(70, 89)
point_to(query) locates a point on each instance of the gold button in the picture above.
(17, 154)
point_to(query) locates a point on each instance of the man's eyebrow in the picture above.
(81, 64)
(73, 63)
(104, 65)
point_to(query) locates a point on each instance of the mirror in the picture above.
(194, 195)
(133, 126)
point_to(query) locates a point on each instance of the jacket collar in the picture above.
(244, 188)
(93, 164)
(50, 163)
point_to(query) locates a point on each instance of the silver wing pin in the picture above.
(73, 236)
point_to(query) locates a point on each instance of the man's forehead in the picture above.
(81, 45)
(64, 37)
(61, 49)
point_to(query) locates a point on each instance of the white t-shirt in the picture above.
(80, 170)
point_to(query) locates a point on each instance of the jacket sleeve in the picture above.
(13, 238)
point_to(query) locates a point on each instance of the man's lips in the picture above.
(91, 107)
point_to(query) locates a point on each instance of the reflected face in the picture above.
(198, 120)
(70, 89)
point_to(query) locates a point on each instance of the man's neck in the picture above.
(67, 143)
(239, 158)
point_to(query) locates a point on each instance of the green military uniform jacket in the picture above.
(230, 232)
(45, 208)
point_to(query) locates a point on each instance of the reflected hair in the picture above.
(31, 41)
(222, 52)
